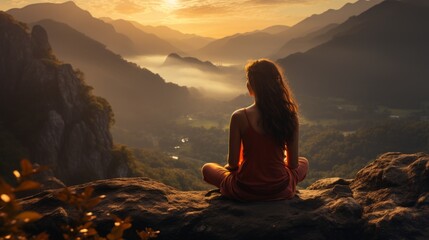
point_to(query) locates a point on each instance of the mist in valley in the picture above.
(221, 85)
(172, 104)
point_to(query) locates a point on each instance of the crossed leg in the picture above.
(214, 173)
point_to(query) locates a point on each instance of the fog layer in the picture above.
(225, 84)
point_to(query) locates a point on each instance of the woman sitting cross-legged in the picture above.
(263, 162)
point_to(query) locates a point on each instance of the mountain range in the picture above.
(121, 36)
(145, 43)
(354, 60)
(183, 41)
(131, 90)
(253, 45)
(378, 57)
(70, 14)
(131, 38)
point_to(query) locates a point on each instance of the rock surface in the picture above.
(48, 108)
(388, 199)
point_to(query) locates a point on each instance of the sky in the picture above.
(210, 18)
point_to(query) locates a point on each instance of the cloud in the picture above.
(200, 10)
(276, 2)
(128, 7)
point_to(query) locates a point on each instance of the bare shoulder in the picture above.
(238, 119)
(238, 113)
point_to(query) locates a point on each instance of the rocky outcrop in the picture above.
(394, 193)
(388, 199)
(47, 106)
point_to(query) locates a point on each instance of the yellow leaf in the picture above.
(88, 191)
(126, 226)
(29, 216)
(63, 195)
(27, 185)
(114, 236)
(92, 203)
(143, 235)
(87, 225)
(26, 167)
(5, 198)
(42, 236)
(91, 232)
(17, 174)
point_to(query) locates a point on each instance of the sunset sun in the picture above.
(214, 119)
(172, 3)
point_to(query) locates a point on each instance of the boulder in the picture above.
(388, 199)
(394, 193)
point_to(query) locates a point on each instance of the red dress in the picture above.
(262, 174)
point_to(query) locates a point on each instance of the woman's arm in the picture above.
(234, 142)
(292, 150)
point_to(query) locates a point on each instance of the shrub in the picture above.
(13, 218)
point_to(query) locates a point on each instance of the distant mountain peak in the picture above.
(175, 59)
(77, 18)
(69, 3)
(174, 55)
(368, 57)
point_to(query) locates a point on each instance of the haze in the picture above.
(219, 85)
(203, 17)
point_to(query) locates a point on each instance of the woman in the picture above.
(263, 162)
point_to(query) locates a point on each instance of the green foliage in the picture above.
(182, 173)
(192, 146)
(95, 104)
(333, 153)
(51, 60)
(122, 154)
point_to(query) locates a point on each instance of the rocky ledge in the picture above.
(388, 199)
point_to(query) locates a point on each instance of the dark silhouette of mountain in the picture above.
(79, 19)
(138, 96)
(145, 43)
(314, 30)
(48, 113)
(318, 21)
(240, 47)
(302, 44)
(175, 59)
(378, 57)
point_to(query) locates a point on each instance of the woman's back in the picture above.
(263, 169)
(262, 133)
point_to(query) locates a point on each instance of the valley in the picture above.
(358, 73)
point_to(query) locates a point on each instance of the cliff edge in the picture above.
(388, 199)
(49, 112)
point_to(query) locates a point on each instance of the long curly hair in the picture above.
(274, 100)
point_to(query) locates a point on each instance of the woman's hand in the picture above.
(231, 169)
